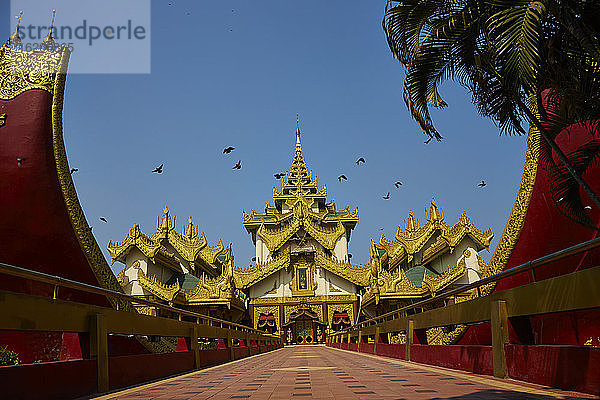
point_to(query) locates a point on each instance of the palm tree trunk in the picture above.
(563, 158)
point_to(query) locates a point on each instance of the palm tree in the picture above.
(519, 59)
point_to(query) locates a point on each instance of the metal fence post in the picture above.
(499, 323)
(359, 340)
(410, 331)
(194, 346)
(99, 349)
(230, 345)
(376, 341)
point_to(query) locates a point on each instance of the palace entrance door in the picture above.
(304, 326)
(305, 331)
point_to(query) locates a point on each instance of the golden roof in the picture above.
(357, 274)
(192, 248)
(296, 208)
(414, 237)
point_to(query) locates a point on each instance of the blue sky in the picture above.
(221, 77)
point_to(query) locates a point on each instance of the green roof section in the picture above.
(416, 274)
(186, 281)
(337, 213)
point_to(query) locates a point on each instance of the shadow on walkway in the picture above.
(493, 394)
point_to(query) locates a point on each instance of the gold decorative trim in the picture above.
(220, 287)
(316, 308)
(299, 193)
(357, 274)
(412, 240)
(333, 308)
(329, 299)
(246, 278)
(84, 235)
(192, 248)
(333, 289)
(121, 277)
(26, 70)
(157, 288)
(266, 310)
(302, 262)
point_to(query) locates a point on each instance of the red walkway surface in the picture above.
(320, 372)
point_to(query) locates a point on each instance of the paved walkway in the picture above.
(304, 372)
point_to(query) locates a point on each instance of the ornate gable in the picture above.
(300, 205)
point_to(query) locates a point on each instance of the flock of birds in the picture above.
(279, 175)
(360, 161)
(188, 13)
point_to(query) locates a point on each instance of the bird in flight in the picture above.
(103, 219)
(397, 184)
(428, 140)
(278, 176)
(387, 196)
(587, 207)
(158, 169)
(482, 183)
(20, 161)
(360, 160)
(228, 150)
(342, 177)
(238, 165)
(74, 170)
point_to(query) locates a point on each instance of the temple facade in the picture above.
(179, 269)
(423, 260)
(302, 284)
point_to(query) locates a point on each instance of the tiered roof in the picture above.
(414, 237)
(300, 206)
(391, 275)
(192, 248)
(210, 280)
(295, 208)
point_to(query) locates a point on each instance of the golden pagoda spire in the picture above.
(298, 145)
(15, 39)
(298, 173)
(190, 231)
(434, 213)
(49, 42)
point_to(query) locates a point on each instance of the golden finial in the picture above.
(49, 41)
(434, 213)
(298, 147)
(15, 39)
(189, 231)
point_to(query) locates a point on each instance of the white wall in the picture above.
(280, 280)
(340, 285)
(262, 251)
(147, 267)
(473, 269)
(341, 249)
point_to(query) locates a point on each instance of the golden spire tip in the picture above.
(15, 39)
(50, 39)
